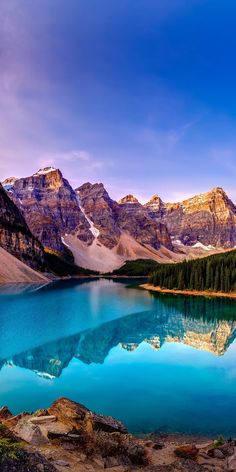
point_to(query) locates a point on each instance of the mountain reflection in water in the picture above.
(154, 361)
(204, 324)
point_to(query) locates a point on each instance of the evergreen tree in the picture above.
(217, 273)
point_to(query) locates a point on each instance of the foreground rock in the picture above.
(14, 457)
(78, 416)
(30, 432)
(27, 462)
(70, 437)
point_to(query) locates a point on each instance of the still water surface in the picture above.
(156, 362)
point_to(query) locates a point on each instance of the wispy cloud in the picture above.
(57, 158)
(163, 141)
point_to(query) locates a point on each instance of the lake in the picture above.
(156, 362)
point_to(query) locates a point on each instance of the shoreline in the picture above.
(75, 277)
(69, 436)
(194, 293)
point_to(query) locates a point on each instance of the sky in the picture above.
(137, 94)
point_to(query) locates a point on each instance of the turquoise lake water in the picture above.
(156, 362)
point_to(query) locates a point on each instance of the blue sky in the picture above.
(138, 94)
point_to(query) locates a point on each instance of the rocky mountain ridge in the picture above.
(102, 233)
(208, 218)
(49, 205)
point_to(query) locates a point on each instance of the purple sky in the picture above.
(138, 94)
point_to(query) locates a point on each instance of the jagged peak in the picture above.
(9, 180)
(207, 196)
(88, 186)
(154, 200)
(46, 170)
(218, 191)
(128, 199)
(85, 186)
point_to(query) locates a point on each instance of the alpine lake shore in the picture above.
(194, 293)
(69, 437)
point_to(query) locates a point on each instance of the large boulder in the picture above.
(29, 432)
(78, 417)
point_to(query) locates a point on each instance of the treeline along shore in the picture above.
(214, 274)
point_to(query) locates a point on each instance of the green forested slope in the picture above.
(214, 273)
(137, 268)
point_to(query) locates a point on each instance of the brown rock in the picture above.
(5, 413)
(79, 417)
(72, 414)
(188, 451)
(41, 412)
(42, 419)
(111, 462)
(218, 454)
(61, 463)
(232, 463)
(178, 466)
(13, 420)
(108, 424)
(158, 445)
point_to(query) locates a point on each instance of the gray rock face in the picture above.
(15, 235)
(101, 210)
(133, 218)
(112, 218)
(50, 207)
(53, 209)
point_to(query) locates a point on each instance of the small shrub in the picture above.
(9, 449)
(219, 441)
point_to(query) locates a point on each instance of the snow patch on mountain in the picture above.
(44, 171)
(202, 246)
(9, 183)
(64, 242)
(95, 231)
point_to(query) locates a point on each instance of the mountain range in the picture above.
(43, 214)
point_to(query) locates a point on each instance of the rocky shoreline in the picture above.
(193, 293)
(69, 437)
